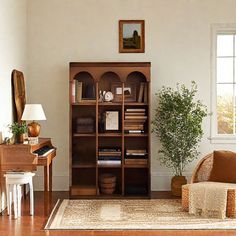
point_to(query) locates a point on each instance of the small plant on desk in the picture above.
(18, 129)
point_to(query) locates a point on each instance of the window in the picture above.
(225, 79)
(224, 83)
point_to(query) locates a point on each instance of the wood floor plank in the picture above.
(44, 202)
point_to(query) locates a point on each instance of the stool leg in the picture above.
(15, 200)
(10, 188)
(31, 197)
(8, 198)
(19, 200)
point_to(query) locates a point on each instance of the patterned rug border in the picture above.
(61, 205)
(53, 213)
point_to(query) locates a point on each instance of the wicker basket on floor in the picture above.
(202, 173)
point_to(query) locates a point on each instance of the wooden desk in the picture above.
(46, 162)
(20, 157)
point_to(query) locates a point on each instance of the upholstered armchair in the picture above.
(219, 166)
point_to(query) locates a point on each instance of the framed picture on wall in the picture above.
(131, 36)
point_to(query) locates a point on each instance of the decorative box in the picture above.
(85, 125)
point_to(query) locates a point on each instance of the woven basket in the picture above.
(176, 185)
(107, 183)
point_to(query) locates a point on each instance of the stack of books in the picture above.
(134, 120)
(136, 157)
(109, 156)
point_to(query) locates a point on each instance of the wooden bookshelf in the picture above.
(87, 111)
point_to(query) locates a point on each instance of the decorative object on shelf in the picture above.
(33, 112)
(131, 36)
(112, 120)
(108, 97)
(101, 96)
(107, 183)
(177, 122)
(85, 125)
(129, 92)
(18, 130)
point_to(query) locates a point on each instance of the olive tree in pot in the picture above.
(178, 124)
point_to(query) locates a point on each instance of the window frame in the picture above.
(217, 29)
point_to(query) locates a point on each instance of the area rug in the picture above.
(129, 215)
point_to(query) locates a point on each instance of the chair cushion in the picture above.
(224, 167)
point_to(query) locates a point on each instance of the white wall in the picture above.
(13, 55)
(177, 44)
(13, 52)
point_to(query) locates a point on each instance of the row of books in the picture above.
(143, 92)
(109, 156)
(82, 92)
(135, 119)
(76, 91)
(137, 157)
(112, 156)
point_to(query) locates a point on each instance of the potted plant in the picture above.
(177, 122)
(18, 129)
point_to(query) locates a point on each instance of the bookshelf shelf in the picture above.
(109, 166)
(136, 104)
(98, 150)
(84, 135)
(84, 104)
(135, 166)
(136, 135)
(110, 135)
(109, 104)
(83, 165)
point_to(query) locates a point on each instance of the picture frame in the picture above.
(111, 120)
(131, 36)
(129, 92)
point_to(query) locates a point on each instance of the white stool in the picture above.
(13, 187)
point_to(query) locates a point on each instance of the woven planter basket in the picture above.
(176, 185)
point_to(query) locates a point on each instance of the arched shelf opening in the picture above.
(136, 77)
(108, 80)
(139, 80)
(85, 80)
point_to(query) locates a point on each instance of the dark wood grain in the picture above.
(84, 147)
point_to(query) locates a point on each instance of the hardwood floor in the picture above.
(44, 203)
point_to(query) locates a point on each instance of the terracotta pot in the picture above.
(176, 185)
